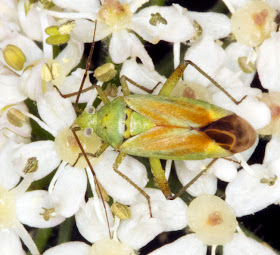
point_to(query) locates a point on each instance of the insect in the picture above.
(165, 127)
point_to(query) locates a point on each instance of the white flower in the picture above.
(140, 228)
(251, 192)
(213, 24)
(10, 225)
(8, 19)
(168, 215)
(14, 125)
(114, 17)
(267, 62)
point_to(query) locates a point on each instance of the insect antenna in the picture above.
(87, 68)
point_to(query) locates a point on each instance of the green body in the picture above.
(159, 126)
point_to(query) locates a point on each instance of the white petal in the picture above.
(242, 245)
(70, 248)
(80, 6)
(30, 207)
(69, 191)
(30, 22)
(56, 111)
(178, 28)
(88, 224)
(10, 93)
(207, 55)
(120, 46)
(242, 192)
(83, 31)
(225, 170)
(10, 243)
(8, 176)
(188, 244)
(168, 215)
(141, 75)
(44, 152)
(115, 185)
(137, 231)
(31, 51)
(30, 82)
(236, 50)
(172, 213)
(124, 44)
(214, 24)
(138, 50)
(272, 152)
(72, 84)
(267, 62)
(9, 25)
(134, 5)
(68, 58)
(206, 184)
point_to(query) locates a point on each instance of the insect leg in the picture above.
(116, 165)
(159, 175)
(178, 72)
(183, 189)
(124, 78)
(97, 154)
(74, 130)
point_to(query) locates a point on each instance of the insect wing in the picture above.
(175, 111)
(173, 143)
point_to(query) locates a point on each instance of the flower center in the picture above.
(115, 14)
(7, 208)
(68, 149)
(214, 218)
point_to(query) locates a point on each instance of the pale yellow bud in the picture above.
(14, 57)
(121, 211)
(16, 117)
(105, 72)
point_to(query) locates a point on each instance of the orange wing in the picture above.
(175, 111)
(172, 143)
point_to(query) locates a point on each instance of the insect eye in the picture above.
(91, 110)
(88, 132)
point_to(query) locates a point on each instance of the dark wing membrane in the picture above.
(173, 143)
(175, 111)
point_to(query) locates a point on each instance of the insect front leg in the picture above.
(124, 80)
(97, 154)
(74, 131)
(173, 79)
(116, 165)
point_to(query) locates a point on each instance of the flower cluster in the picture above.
(48, 162)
